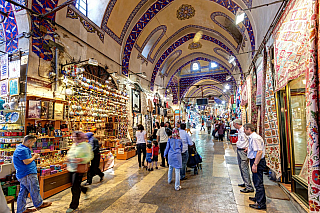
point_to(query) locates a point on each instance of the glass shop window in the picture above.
(195, 66)
(299, 134)
(82, 6)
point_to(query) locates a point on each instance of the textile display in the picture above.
(254, 108)
(238, 102)
(291, 43)
(271, 132)
(260, 81)
(244, 94)
(4, 66)
(249, 89)
(312, 107)
(263, 98)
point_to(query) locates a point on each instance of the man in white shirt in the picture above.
(162, 139)
(256, 153)
(242, 148)
(186, 140)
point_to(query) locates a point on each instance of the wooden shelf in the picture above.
(11, 136)
(43, 119)
(47, 98)
(10, 110)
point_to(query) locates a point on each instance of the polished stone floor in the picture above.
(128, 189)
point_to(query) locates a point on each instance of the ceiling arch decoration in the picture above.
(151, 42)
(38, 40)
(169, 61)
(221, 52)
(174, 88)
(9, 28)
(180, 42)
(193, 92)
(231, 28)
(186, 83)
(204, 57)
(153, 11)
(185, 11)
(90, 26)
(194, 46)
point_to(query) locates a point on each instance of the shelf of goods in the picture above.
(96, 104)
(125, 150)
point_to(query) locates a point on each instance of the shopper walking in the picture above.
(243, 161)
(78, 157)
(162, 139)
(221, 131)
(186, 140)
(256, 153)
(173, 154)
(208, 122)
(26, 173)
(202, 125)
(141, 136)
(95, 162)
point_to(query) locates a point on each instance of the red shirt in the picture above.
(155, 150)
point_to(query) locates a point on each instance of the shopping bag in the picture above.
(216, 135)
(82, 168)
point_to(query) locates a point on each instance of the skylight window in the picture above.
(195, 66)
(213, 65)
(82, 6)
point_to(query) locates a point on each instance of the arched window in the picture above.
(195, 66)
(152, 40)
(213, 65)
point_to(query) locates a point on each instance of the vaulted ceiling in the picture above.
(156, 37)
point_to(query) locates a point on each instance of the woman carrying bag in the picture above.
(78, 158)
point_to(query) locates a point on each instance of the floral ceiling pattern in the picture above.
(185, 11)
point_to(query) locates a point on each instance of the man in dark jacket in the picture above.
(95, 162)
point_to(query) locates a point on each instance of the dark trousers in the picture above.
(220, 137)
(185, 157)
(141, 147)
(209, 129)
(257, 179)
(76, 189)
(94, 168)
(162, 148)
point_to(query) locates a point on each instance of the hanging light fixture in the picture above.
(197, 36)
(231, 59)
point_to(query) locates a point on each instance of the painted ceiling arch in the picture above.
(9, 27)
(188, 59)
(214, 90)
(145, 19)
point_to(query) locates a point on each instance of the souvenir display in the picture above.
(14, 69)
(3, 88)
(14, 86)
(34, 109)
(58, 111)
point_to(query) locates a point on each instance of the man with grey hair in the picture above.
(242, 148)
(26, 173)
(256, 153)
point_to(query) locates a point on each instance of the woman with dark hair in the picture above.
(141, 136)
(156, 128)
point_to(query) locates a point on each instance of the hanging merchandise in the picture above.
(4, 66)
(260, 82)
(254, 108)
(272, 139)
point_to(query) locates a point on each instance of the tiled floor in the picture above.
(215, 189)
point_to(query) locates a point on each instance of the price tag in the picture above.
(120, 151)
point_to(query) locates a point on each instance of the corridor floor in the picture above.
(128, 189)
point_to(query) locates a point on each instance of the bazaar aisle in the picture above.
(215, 189)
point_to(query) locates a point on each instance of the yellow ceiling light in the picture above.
(197, 36)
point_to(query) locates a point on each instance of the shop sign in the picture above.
(14, 69)
(38, 82)
(177, 111)
(4, 66)
(120, 151)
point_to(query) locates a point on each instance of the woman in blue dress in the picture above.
(173, 154)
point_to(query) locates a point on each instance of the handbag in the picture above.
(82, 168)
(216, 135)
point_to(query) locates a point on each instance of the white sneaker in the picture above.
(178, 188)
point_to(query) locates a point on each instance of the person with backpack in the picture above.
(95, 162)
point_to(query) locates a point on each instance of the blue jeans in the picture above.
(29, 184)
(177, 177)
(185, 157)
(257, 179)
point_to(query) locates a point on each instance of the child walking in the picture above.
(155, 153)
(149, 156)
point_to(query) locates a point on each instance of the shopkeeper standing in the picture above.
(26, 172)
